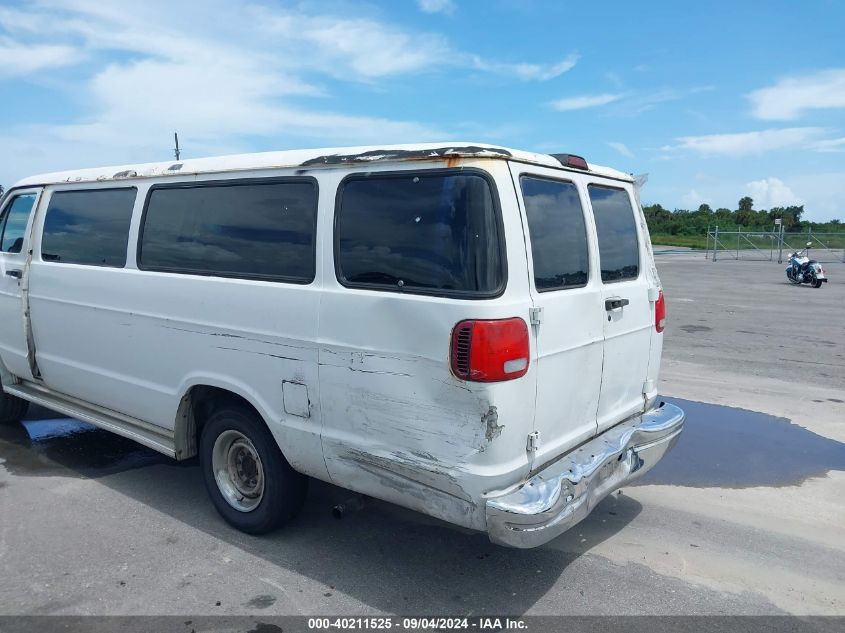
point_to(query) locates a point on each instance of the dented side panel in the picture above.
(396, 423)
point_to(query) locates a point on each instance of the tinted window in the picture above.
(88, 227)
(253, 230)
(425, 232)
(619, 249)
(14, 223)
(558, 233)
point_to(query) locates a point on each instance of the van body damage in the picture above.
(359, 360)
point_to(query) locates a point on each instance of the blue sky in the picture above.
(714, 100)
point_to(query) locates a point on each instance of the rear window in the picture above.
(619, 248)
(424, 232)
(88, 227)
(558, 233)
(250, 230)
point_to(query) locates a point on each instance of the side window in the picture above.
(14, 222)
(619, 248)
(256, 230)
(558, 233)
(88, 227)
(432, 232)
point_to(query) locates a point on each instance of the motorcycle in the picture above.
(803, 270)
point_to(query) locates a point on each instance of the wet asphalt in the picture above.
(723, 447)
(726, 447)
(92, 523)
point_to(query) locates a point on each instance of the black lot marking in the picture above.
(692, 329)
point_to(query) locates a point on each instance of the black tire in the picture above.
(284, 489)
(817, 284)
(12, 408)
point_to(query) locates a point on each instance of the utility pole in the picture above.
(176, 150)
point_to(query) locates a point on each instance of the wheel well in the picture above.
(195, 408)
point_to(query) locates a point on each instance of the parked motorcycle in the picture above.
(803, 270)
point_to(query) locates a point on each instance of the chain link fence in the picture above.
(773, 246)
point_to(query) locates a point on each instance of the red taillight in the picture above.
(660, 313)
(490, 351)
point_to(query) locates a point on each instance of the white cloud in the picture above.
(527, 72)
(437, 6)
(830, 145)
(584, 101)
(353, 48)
(791, 97)
(771, 192)
(216, 83)
(747, 143)
(149, 97)
(219, 76)
(213, 107)
(621, 148)
(348, 48)
(823, 194)
(636, 104)
(17, 59)
(692, 199)
(627, 104)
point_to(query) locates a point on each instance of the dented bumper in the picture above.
(564, 493)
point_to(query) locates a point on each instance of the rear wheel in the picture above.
(248, 479)
(12, 408)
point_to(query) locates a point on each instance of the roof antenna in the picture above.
(176, 149)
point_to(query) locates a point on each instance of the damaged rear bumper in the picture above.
(563, 493)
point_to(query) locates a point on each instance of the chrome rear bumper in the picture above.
(565, 492)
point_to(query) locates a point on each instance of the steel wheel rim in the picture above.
(238, 470)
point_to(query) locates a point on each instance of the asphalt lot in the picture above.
(747, 517)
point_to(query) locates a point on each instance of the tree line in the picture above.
(685, 222)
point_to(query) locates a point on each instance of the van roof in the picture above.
(308, 159)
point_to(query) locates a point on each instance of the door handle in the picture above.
(15, 273)
(614, 303)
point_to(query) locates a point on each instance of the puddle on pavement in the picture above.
(720, 447)
(735, 448)
(44, 445)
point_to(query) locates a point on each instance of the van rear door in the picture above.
(566, 289)
(628, 311)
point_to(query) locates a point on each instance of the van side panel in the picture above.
(396, 423)
(136, 341)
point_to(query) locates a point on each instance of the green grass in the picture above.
(729, 241)
(690, 241)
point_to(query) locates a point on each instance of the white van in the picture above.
(466, 330)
